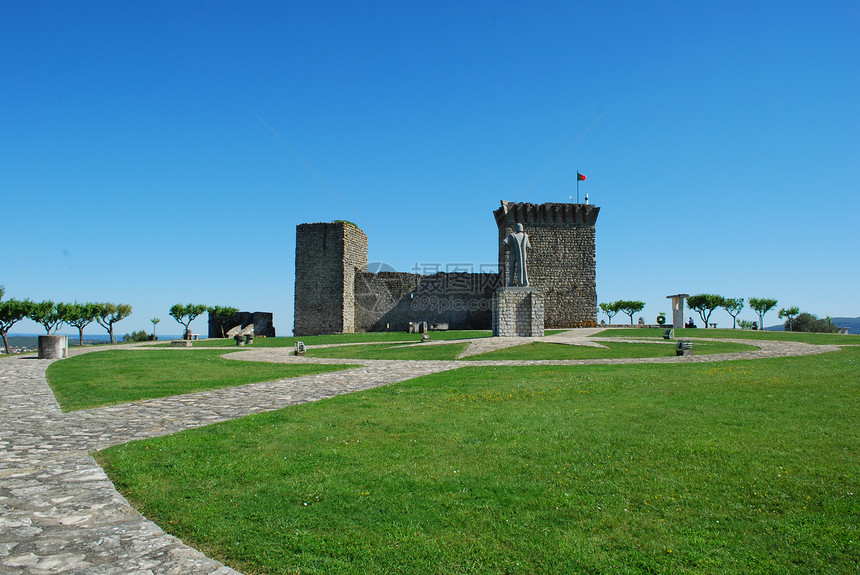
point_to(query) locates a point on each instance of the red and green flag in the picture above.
(580, 177)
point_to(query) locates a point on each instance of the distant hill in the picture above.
(32, 341)
(850, 322)
(853, 323)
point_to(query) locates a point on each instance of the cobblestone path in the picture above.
(59, 513)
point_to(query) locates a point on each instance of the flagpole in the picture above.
(577, 186)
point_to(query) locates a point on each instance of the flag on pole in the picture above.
(580, 177)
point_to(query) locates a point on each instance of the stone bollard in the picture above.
(53, 346)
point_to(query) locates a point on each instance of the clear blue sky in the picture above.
(161, 152)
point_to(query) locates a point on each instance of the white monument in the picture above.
(677, 309)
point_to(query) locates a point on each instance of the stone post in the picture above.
(53, 346)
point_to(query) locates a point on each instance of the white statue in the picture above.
(517, 242)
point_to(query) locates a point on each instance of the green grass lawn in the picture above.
(814, 338)
(366, 337)
(732, 467)
(116, 376)
(535, 350)
(541, 350)
(439, 352)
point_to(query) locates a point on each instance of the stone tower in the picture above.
(561, 261)
(327, 257)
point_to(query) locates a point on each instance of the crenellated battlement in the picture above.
(546, 214)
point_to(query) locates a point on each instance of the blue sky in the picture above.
(161, 152)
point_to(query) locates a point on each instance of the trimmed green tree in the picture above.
(11, 312)
(45, 313)
(788, 312)
(630, 307)
(811, 323)
(610, 309)
(109, 314)
(185, 314)
(762, 305)
(221, 315)
(704, 304)
(734, 306)
(154, 321)
(135, 336)
(78, 315)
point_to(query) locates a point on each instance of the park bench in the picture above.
(684, 348)
(300, 348)
(668, 334)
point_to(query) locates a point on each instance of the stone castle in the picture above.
(335, 292)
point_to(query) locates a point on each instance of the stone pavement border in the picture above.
(59, 512)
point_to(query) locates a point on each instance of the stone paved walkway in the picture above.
(59, 513)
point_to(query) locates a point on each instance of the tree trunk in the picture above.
(111, 334)
(80, 337)
(5, 342)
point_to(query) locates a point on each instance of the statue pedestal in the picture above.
(518, 311)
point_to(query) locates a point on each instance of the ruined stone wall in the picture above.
(390, 300)
(354, 262)
(262, 321)
(561, 261)
(327, 257)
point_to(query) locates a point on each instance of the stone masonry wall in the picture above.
(390, 300)
(561, 261)
(262, 321)
(327, 255)
(354, 262)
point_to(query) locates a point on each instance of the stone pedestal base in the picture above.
(180, 343)
(518, 311)
(53, 346)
